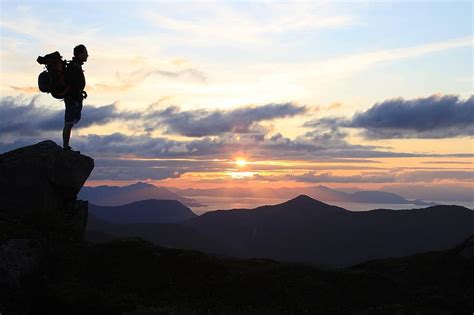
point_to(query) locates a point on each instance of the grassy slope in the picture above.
(133, 276)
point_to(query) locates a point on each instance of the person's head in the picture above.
(80, 53)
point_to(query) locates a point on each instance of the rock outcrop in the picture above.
(39, 209)
(38, 189)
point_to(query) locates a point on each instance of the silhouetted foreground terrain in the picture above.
(301, 230)
(47, 268)
(135, 277)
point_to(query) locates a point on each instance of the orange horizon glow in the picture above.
(241, 172)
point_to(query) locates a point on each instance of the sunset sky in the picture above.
(367, 95)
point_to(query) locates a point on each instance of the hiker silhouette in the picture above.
(75, 94)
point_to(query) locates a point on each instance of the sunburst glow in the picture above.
(241, 162)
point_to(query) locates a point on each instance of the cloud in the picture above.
(153, 169)
(190, 73)
(443, 193)
(26, 89)
(436, 176)
(447, 162)
(334, 105)
(216, 21)
(320, 145)
(392, 176)
(146, 146)
(328, 177)
(221, 147)
(334, 138)
(134, 173)
(130, 80)
(222, 133)
(203, 122)
(24, 117)
(433, 117)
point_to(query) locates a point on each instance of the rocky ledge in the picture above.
(38, 205)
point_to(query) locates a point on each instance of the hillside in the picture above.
(144, 211)
(307, 230)
(131, 276)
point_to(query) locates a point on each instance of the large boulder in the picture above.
(38, 189)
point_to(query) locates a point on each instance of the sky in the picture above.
(353, 95)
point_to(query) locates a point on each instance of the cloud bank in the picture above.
(433, 117)
(375, 177)
(23, 117)
(19, 117)
(202, 122)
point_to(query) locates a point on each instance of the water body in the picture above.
(227, 203)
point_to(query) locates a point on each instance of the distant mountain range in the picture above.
(114, 196)
(117, 196)
(318, 192)
(307, 230)
(144, 211)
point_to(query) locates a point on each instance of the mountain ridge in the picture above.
(120, 195)
(307, 230)
(319, 192)
(143, 211)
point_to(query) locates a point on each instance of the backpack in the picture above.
(52, 79)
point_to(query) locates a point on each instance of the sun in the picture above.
(241, 162)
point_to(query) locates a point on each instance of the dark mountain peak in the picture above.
(152, 202)
(323, 187)
(144, 211)
(304, 200)
(141, 185)
(309, 205)
(115, 196)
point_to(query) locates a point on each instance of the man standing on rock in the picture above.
(76, 82)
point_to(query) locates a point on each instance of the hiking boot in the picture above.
(69, 149)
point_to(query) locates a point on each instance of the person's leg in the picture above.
(71, 117)
(67, 134)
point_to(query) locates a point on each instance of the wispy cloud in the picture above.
(444, 192)
(222, 147)
(125, 81)
(134, 173)
(375, 177)
(350, 64)
(26, 89)
(217, 20)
